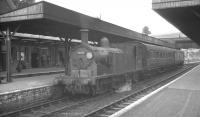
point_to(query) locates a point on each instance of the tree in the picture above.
(146, 31)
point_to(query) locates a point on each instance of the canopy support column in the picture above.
(67, 47)
(8, 55)
(8, 37)
(67, 55)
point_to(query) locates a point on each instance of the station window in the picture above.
(151, 54)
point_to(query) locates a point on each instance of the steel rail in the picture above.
(33, 111)
(16, 112)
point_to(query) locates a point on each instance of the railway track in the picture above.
(117, 105)
(46, 109)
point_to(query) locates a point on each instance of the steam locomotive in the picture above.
(99, 69)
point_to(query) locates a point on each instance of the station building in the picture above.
(32, 51)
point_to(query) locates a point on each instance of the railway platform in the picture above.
(35, 72)
(36, 85)
(180, 98)
(30, 78)
(26, 83)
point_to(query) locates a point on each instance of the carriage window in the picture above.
(157, 54)
(151, 54)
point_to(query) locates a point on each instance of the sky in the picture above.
(130, 14)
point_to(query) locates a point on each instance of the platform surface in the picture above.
(179, 99)
(25, 72)
(27, 83)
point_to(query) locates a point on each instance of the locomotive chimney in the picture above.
(84, 35)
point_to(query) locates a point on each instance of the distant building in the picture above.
(191, 55)
(180, 40)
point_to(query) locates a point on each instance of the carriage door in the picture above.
(138, 51)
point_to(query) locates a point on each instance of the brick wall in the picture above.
(20, 99)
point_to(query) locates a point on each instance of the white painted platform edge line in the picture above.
(129, 107)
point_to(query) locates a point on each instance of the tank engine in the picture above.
(87, 63)
(99, 69)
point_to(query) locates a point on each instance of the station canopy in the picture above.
(183, 14)
(47, 19)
